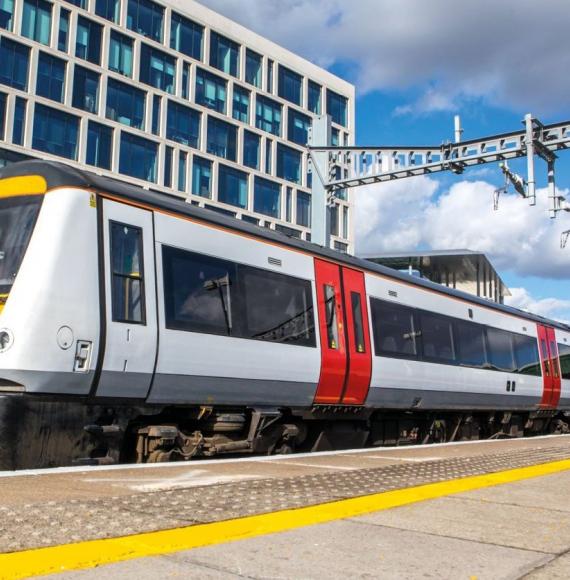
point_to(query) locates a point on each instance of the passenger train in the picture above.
(137, 327)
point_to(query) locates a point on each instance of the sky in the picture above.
(415, 65)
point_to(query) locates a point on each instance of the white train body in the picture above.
(94, 323)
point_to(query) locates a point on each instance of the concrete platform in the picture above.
(508, 531)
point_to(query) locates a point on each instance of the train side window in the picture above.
(470, 341)
(527, 356)
(127, 280)
(276, 307)
(394, 330)
(356, 302)
(564, 354)
(331, 316)
(500, 350)
(199, 292)
(437, 337)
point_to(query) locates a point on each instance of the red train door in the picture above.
(346, 359)
(550, 367)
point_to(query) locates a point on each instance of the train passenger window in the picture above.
(358, 321)
(199, 292)
(564, 353)
(500, 350)
(437, 337)
(276, 308)
(470, 340)
(331, 318)
(394, 329)
(127, 283)
(527, 356)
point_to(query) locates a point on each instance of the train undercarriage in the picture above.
(38, 432)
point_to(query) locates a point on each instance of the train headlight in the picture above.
(6, 339)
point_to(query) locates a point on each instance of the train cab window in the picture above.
(127, 274)
(500, 350)
(356, 303)
(437, 337)
(394, 329)
(470, 341)
(526, 355)
(276, 308)
(199, 292)
(331, 316)
(564, 354)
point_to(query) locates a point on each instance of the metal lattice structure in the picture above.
(339, 168)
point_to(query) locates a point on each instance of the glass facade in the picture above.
(193, 86)
(186, 36)
(55, 132)
(51, 77)
(85, 89)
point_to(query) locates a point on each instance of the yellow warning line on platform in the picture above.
(100, 552)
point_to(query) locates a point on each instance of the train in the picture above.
(137, 327)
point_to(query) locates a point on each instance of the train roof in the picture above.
(59, 174)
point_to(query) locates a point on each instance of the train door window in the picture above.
(127, 283)
(526, 355)
(500, 350)
(545, 356)
(470, 341)
(564, 354)
(554, 358)
(356, 302)
(276, 308)
(437, 337)
(199, 292)
(331, 316)
(394, 330)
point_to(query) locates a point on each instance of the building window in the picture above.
(268, 156)
(336, 107)
(201, 177)
(185, 80)
(156, 114)
(6, 14)
(224, 54)
(99, 145)
(51, 77)
(121, 54)
(2, 115)
(167, 182)
(268, 115)
(267, 197)
(138, 157)
(232, 186)
(222, 139)
(85, 89)
(251, 149)
(303, 209)
(79, 3)
(183, 125)
(157, 69)
(269, 78)
(55, 132)
(333, 216)
(63, 34)
(290, 86)
(289, 205)
(15, 59)
(241, 104)
(127, 274)
(345, 222)
(288, 163)
(299, 126)
(36, 20)
(108, 9)
(125, 104)
(186, 36)
(19, 125)
(315, 92)
(146, 18)
(211, 91)
(88, 40)
(253, 68)
(182, 168)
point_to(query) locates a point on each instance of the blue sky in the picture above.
(415, 65)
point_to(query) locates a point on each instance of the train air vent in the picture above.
(275, 261)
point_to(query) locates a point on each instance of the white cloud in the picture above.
(507, 52)
(412, 213)
(548, 307)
